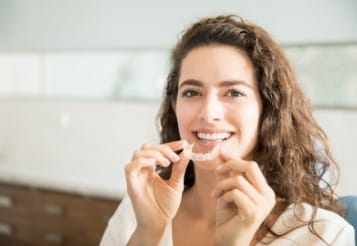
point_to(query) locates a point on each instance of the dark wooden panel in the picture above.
(30, 216)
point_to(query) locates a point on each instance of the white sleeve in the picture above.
(331, 227)
(120, 226)
(345, 237)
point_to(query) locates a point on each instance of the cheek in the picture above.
(248, 120)
(184, 115)
(253, 111)
(252, 124)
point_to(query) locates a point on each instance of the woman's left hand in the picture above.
(244, 200)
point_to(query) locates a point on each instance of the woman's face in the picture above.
(218, 101)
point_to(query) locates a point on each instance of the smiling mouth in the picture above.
(214, 137)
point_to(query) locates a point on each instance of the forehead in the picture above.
(214, 63)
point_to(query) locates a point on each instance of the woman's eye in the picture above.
(189, 93)
(235, 93)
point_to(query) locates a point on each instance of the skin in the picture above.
(230, 198)
(218, 93)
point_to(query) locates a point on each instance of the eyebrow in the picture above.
(227, 83)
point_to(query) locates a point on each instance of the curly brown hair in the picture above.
(290, 140)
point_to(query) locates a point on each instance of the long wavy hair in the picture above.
(292, 150)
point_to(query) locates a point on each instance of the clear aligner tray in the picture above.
(188, 152)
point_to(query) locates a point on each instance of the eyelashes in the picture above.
(189, 93)
(235, 93)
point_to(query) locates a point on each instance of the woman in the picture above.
(231, 88)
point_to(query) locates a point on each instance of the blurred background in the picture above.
(80, 86)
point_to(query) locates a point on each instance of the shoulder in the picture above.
(300, 213)
(121, 225)
(329, 227)
(124, 213)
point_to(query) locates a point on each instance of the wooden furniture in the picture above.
(33, 216)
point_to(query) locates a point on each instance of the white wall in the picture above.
(105, 133)
(74, 132)
(111, 24)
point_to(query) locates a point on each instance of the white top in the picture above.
(330, 226)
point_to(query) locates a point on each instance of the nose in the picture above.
(211, 109)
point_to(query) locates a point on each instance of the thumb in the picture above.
(222, 171)
(178, 172)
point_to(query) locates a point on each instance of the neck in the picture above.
(199, 201)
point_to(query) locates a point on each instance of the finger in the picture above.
(244, 205)
(142, 167)
(178, 171)
(250, 169)
(225, 169)
(152, 154)
(167, 149)
(139, 164)
(237, 182)
(222, 170)
(174, 145)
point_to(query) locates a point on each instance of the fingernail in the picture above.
(167, 162)
(175, 157)
(181, 142)
(152, 160)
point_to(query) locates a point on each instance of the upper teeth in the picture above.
(214, 136)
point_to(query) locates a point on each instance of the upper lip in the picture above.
(211, 131)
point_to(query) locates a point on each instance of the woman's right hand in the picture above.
(155, 200)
